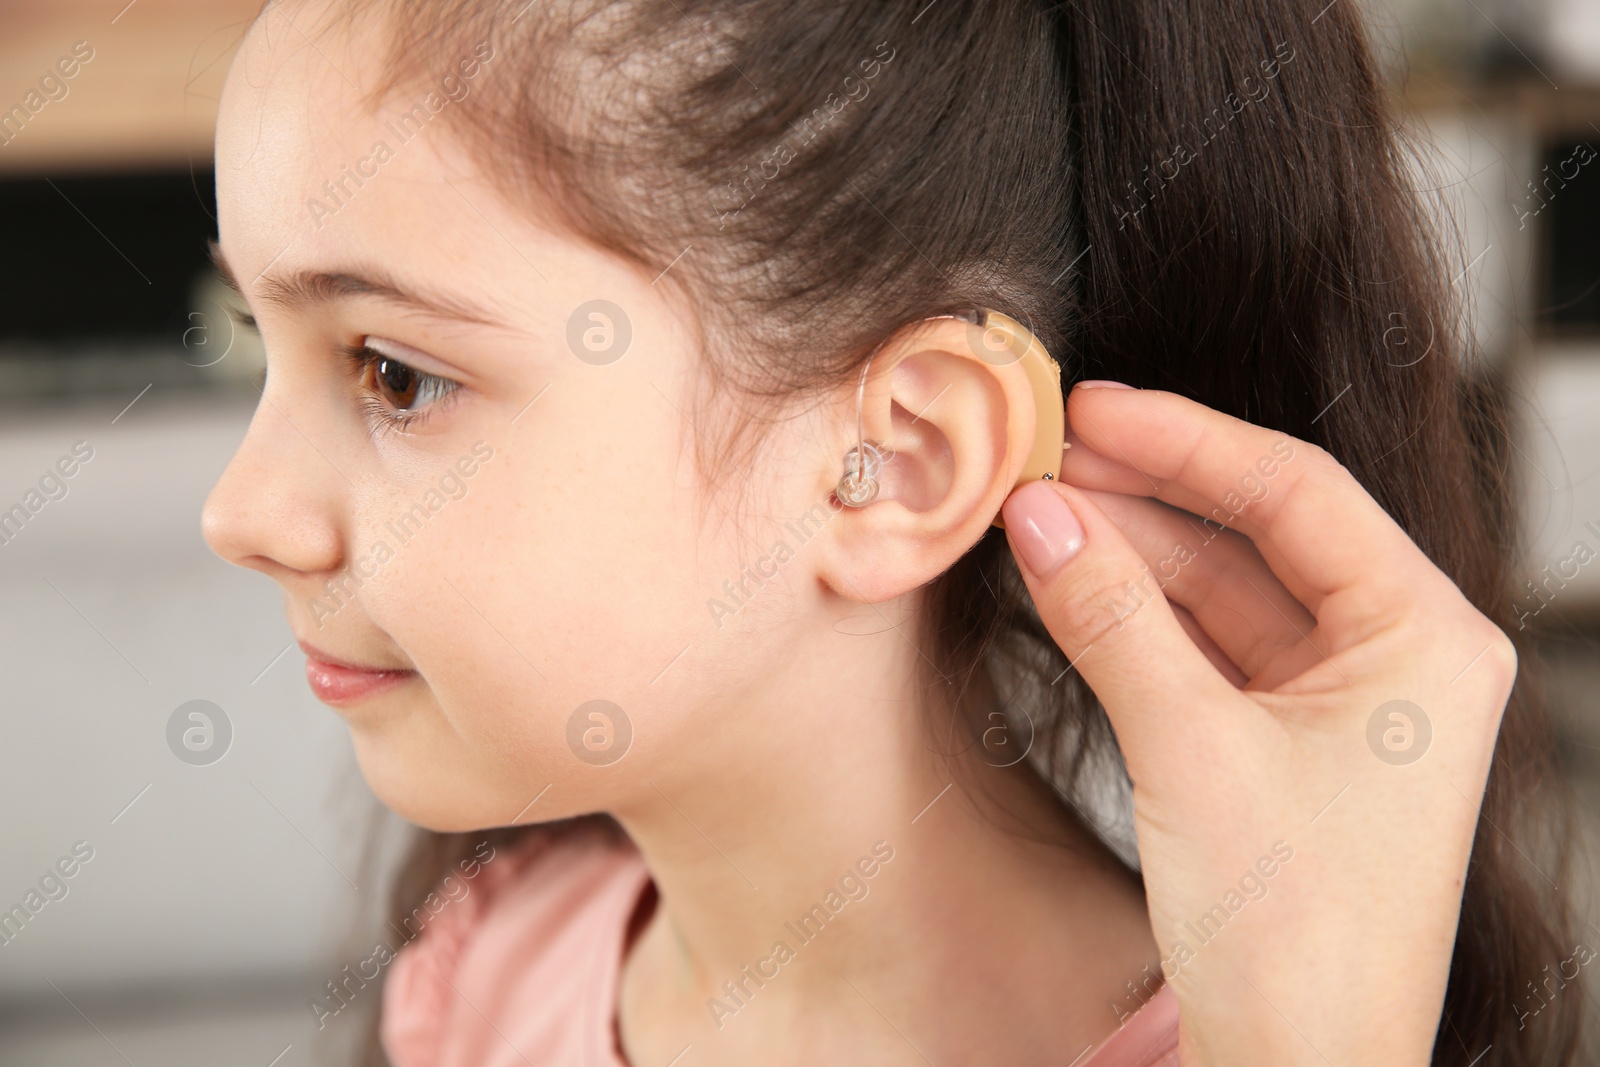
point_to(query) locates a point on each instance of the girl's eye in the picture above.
(396, 382)
(398, 395)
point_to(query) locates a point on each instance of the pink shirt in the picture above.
(524, 968)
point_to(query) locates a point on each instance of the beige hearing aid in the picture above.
(1010, 341)
(999, 339)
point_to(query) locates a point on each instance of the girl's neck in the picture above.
(839, 893)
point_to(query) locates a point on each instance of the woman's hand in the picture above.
(1307, 707)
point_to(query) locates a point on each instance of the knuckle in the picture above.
(1314, 467)
(1477, 645)
(1501, 655)
(1088, 607)
(1301, 448)
(1324, 462)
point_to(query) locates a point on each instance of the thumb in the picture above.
(1104, 607)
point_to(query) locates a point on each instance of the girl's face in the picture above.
(497, 499)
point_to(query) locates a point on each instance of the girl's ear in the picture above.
(957, 425)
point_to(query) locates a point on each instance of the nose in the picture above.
(276, 507)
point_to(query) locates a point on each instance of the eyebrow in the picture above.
(303, 289)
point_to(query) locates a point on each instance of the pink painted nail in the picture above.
(1043, 528)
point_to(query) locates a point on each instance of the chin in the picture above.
(417, 786)
(428, 781)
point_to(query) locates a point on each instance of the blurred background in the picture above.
(156, 735)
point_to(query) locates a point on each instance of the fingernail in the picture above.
(1101, 383)
(1043, 528)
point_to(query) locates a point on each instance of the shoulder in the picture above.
(520, 958)
(1148, 1038)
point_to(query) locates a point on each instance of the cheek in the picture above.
(573, 569)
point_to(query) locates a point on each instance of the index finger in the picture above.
(1318, 529)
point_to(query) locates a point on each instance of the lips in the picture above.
(341, 683)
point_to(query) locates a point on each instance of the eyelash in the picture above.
(363, 361)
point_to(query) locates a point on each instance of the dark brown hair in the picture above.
(1204, 196)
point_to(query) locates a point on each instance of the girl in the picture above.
(574, 309)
